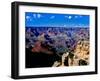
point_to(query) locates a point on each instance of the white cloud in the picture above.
(70, 17)
(34, 15)
(30, 19)
(64, 25)
(39, 15)
(27, 17)
(52, 17)
(76, 16)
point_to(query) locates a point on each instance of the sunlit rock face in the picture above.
(81, 52)
(80, 56)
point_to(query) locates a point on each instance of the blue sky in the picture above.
(33, 19)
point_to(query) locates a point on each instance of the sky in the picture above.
(33, 19)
